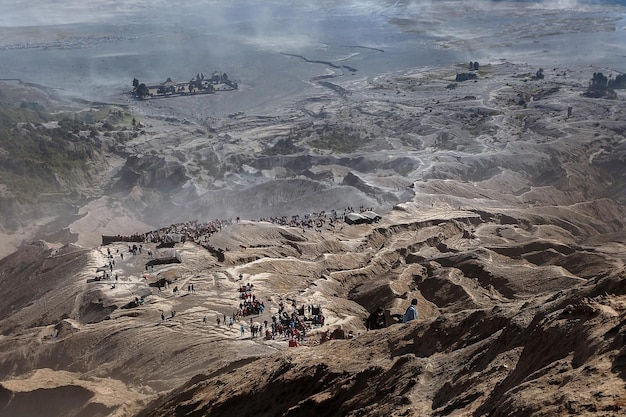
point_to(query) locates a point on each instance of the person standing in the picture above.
(411, 312)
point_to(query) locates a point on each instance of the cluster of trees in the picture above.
(602, 86)
(619, 83)
(473, 66)
(140, 90)
(539, 75)
(198, 83)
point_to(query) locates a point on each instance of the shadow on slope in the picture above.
(31, 273)
(67, 401)
(503, 361)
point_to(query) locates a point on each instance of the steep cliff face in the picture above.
(147, 171)
(54, 158)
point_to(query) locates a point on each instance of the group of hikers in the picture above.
(283, 324)
(315, 219)
(108, 268)
(378, 319)
(250, 304)
(191, 230)
(201, 232)
(293, 324)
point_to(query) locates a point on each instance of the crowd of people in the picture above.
(282, 325)
(288, 325)
(250, 304)
(315, 220)
(193, 230)
(201, 232)
(291, 324)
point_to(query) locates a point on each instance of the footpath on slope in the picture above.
(198, 293)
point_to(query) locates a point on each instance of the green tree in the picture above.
(143, 91)
(599, 86)
(618, 83)
(464, 76)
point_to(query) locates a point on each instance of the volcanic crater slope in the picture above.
(513, 308)
(511, 323)
(501, 213)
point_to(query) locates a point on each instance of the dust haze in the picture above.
(94, 49)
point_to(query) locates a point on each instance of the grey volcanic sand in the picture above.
(94, 51)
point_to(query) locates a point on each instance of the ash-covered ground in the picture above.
(502, 214)
(502, 203)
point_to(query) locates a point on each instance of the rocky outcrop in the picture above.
(161, 174)
(498, 361)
